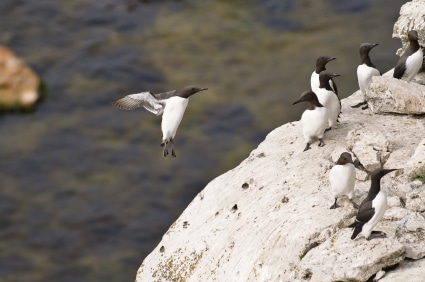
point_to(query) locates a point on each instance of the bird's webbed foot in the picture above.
(321, 143)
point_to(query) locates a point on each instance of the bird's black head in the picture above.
(345, 158)
(190, 90)
(324, 77)
(366, 47)
(308, 96)
(378, 173)
(321, 63)
(412, 35)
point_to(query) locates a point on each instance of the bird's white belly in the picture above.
(364, 76)
(314, 81)
(380, 206)
(413, 64)
(173, 114)
(330, 101)
(314, 123)
(342, 178)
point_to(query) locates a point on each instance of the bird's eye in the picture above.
(193, 89)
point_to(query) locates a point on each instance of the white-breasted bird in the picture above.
(321, 66)
(365, 71)
(372, 208)
(411, 61)
(328, 98)
(171, 105)
(314, 120)
(342, 177)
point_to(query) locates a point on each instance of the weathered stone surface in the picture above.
(371, 148)
(256, 221)
(324, 262)
(416, 200)
(415, 166)
(18, 83)
(411, 233)
(408, 270)
(389, 95)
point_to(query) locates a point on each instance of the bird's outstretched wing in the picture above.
(143, 99)
(165, 95)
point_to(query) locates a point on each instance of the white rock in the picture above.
(416, 164)
(411, 233)
(416, 200)
(324, 262)
(390, 95)
(409, 271)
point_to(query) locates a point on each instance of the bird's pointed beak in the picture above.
(374, 45)
(386, 171)
(331, 59)
(298, 101)
(335, 75)
(202, 89)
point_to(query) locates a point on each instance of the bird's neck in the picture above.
(320, 68)
(375, 188)
(366, 60)
(414, 45)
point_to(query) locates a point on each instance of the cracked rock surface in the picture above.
(268, 219)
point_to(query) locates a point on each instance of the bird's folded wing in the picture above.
(143, 99)
(366, 212)
(165, 95)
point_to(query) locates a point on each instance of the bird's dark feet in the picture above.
(165, 153)
(327, 129)
(377, 234)
(334, 206)
(321, 143)
(173, 153)
(307, 147)
(365, 107)
(359, 104)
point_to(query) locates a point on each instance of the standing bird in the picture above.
(328, 98)
(342, 177)
(314, 120)
(372, 208)
(171, 105)
(365, 71)
(321, 66)
(411, 61)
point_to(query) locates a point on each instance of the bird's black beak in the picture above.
(202, 89)
(331, 59)
(374, 45)
(386, 171)
(335, 75)
(298, 101)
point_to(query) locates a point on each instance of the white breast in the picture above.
(342, 179)
(364, 76)
(314, 123)
(380, 206)
(330, 101)
(173, 114)
(413, 64)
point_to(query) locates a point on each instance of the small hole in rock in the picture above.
(245, 185)
(235, 208)
(162, 249)
(185, 224)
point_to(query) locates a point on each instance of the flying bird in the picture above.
(171, 105)
(372, 208)
(411, 61)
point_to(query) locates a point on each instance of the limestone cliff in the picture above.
(268, 219)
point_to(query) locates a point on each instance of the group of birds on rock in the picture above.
(324, 103)
(321, 115)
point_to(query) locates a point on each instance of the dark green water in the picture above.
(85, 194)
